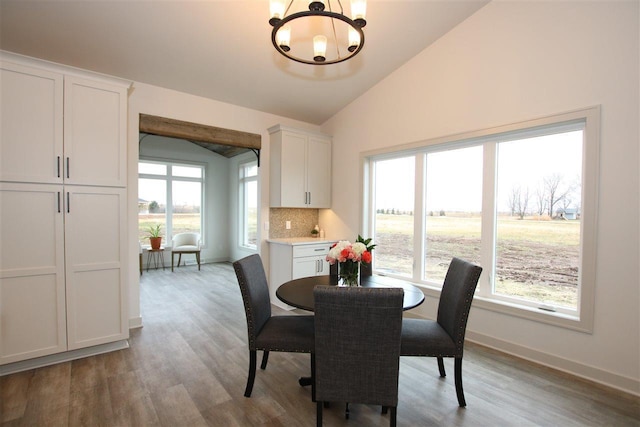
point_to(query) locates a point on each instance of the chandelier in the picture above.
(320, 35)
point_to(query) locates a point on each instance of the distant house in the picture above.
(143, 206)
(569, 213)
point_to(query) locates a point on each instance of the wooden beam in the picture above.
(196, 132)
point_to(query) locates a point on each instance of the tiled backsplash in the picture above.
(302, 222)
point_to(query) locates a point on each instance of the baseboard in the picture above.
(597, 375)
(67, 356)
(135, 322)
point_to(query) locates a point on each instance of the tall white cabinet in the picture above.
(62, 209)
(300, 168)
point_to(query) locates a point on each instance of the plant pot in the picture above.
(155, 242)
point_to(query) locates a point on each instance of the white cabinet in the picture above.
(32, 283)
(60, 128)
(289, 261)
(310, 260)
(300, 169)
(63, 210)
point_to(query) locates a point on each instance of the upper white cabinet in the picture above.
(300, 169)
(30, 124)
(58, 128)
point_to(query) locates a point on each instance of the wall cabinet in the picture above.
(63, 210)
(59, 128)
(300, 169)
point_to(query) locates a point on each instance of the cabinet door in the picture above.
(293, 171)
(305, 267)
(30, 124)
(319, 173)
(32, 288)
(95, 265)
(94, 133)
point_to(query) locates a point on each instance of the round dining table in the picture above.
(299, 292)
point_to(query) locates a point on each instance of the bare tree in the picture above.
(540, 200)
(553, 191)
(519, 201)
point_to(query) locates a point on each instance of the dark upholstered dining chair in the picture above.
(357, 346)
(266, 332)
(444, 337)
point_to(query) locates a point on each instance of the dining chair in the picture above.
(265, 332)
(357, 348)
(185, 243)
(444, 337)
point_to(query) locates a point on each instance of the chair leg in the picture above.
(441, 367)
(458, 381)
(198, 259)
(265, 359)
(346, 411)
(319, 414)
(172, 258)
(393, 416)
(179, 259)
(313, 377)
(385, 409)
(252, 373)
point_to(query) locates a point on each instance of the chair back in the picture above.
(456, 297)
(186, 239)
(255, 294)
(357, 344)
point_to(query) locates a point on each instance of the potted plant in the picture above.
(155, 239)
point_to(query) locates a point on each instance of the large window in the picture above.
(248, 204)
(170, 194)
(518, 200)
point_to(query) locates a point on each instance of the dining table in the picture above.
(298, 293)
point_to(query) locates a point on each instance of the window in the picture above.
(248, 204)
(519, 200)
(170, 194)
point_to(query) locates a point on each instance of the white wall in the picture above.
(510, 62)
(153, 100)
(216, 237)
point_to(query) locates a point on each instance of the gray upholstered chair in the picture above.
(357, 346)
(185, 243)
(444, 337)
(266, 332)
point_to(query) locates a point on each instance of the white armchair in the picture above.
(185, 243)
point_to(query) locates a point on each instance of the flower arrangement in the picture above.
(349, 256)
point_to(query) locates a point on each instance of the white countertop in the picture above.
(301, 241)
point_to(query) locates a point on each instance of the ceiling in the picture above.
(222, 49)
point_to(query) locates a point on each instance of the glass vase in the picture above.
(349, 273)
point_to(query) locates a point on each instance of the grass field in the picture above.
(535, 259)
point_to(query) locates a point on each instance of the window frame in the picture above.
(169, 178)
(242, 197)
(582, 318)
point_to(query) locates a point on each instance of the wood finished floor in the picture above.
(188, 367)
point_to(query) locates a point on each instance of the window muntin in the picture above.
(248, 204)
(170, 194)
(581, 166)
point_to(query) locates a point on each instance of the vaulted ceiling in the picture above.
(222, 49)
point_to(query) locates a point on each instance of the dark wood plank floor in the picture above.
(188, 367)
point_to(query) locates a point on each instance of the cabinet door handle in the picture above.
(58, 166)
(309, 197)
(321, 266)
(68, 203)
(67, 167)
(58, 198)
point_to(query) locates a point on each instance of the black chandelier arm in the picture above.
(357, 25)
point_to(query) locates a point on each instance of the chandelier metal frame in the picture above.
(317, 8)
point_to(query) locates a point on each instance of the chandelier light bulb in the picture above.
(276, 7)
(284, 38)
(319, 48)
(359, 12)
(354, 39)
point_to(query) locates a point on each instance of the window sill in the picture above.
(531, 313)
